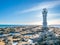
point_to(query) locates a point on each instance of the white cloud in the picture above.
(55, 21)
(49, 15)
(42, 5)
(50, 22)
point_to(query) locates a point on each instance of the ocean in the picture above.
(5, 26)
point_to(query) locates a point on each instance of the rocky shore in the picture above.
(24, 34)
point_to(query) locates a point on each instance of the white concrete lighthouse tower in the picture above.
(44, 12)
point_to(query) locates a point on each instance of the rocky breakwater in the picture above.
(48, 37)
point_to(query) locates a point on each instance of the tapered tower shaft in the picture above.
(44, 13)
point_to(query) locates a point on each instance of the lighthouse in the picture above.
(44, 14)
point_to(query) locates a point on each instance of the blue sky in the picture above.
(29, 11)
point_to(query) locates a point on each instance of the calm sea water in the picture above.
(4, 26)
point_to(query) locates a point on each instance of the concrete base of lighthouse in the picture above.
(45, 28)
